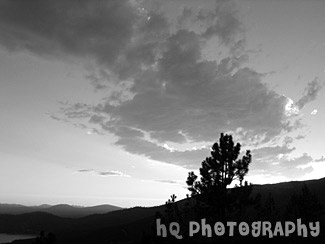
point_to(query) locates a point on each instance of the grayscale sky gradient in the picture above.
(116, 101)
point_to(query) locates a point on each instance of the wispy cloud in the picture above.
(168, 181)
(58, 118)
(278, 161)
(103, 173)
(321, 159)
(85, 170)
(310, 92)
(112, 173)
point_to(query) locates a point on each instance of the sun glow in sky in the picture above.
(114, 102)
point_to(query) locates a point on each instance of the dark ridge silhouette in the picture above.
(61, 210)
(138, 222)
(283, 191)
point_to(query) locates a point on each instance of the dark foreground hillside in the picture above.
(137, 225)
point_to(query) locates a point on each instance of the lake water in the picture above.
(5, 238)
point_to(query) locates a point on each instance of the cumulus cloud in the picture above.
(183, 98)
(160, 85)
(310, 93)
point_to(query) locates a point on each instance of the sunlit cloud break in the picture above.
(314, 112)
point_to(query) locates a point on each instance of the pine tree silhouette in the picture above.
(217, 172)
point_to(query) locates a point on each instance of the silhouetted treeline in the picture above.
(212, 202)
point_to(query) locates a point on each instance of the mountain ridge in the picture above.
(129, 224)
(61, 210)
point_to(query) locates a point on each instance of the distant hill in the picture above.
(128, 225)
(282, 192)
(61, 210)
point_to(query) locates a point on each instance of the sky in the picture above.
(114, 102)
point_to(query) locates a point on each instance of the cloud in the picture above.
(277, 160)
(160, 85)
(112, 173)
(296, 167)
(310, 92)
(85, 170)
(96, 29)
(321, 159)
(58, 118)
(225, 23)
(140, 146)
(82, 126)
(199, 106)
(94, 131)
(103, 173)
(77, 110)
(168, 181)
(288, 140)
(314, 112)
(299, 161)
(266, 153)
(299, 137)
(184, 98)
(221, 22)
